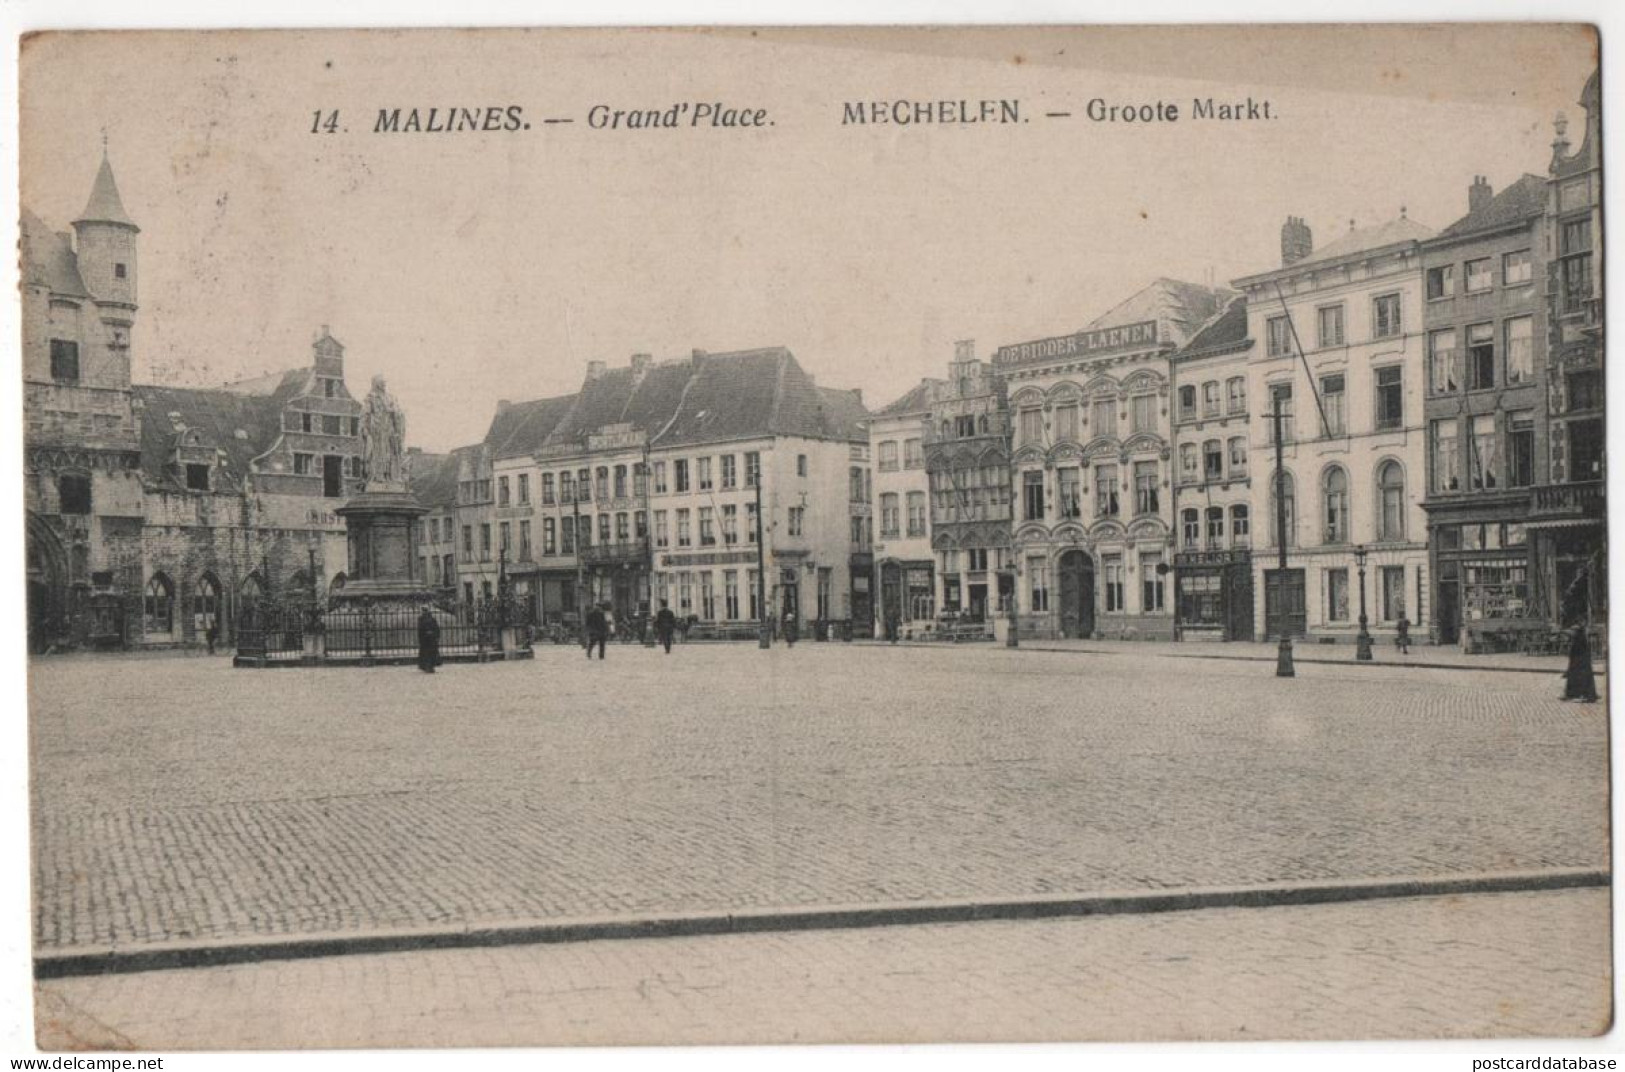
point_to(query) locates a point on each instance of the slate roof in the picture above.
(1227, 330)
(1186, 305)
(521, 427)
(1362, 239)
(48, 258)
(1520, 201)
(432, 478)
(916, 400)
(105, 205)
(217, 414)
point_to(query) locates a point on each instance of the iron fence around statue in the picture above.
(362, 631)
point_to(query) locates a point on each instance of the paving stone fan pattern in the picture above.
(175, 798)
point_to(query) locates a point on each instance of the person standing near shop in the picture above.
(597, 629)
(665, 626)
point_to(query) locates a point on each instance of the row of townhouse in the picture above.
(644, 488)
(1440, 462)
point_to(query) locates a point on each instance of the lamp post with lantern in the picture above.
(1362, 642)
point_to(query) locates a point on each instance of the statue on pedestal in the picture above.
(383, 438)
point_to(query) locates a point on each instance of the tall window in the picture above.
(888, 516)
(703, 474)
(1188, 470)
(801, 465)
(1145, 487)
(502, 491)
(1516, 268)
(524, 489)
(914, 453)
(64, 361)
(1479, 277)
(1236, 395)
(1335, 496)
(730, 594)
(1069, 491)
(567, 537)
(1215, 528)
(662, 534)
(1480, 357)
(603, 528)
(730, 524)
(660, 477)
(1143, 411)
(1334, 401)
(679, 470)
(1441, 281)
(730, 472)
(1574, 247)
(1032, 495)
(1283, 489)
(1103, 415)
(1390, 397)
(1485, 464)
(1112, 571)
(550, 540)
(1241, 531)
(1278, 336)
(1280, 400)
(797, 518)
(1444, 376)
(888, 455)
(1190, 527)
(567, 488)
(1212, 460)
(620, 481)
(708, 527)
(1032, 425)
(1391, 594)
(1106, 491)
(485, 542)
(1066, 421)
(1520, 350)
(1337, 594)
(1446, 456)
(708, 597)
(1331, 325)
(1210, 398)
(753, 468)
(750, 522)
(505, 542)
(601, 487)
(1187, 401)
(1038, 577)
(1521, 449)
(1390, 501)
(524, 541)
(685, 537)
(1385, 316)
(1151, 586)
(916, 513)
(1238, 456)
(158, 608)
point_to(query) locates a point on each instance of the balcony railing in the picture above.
(617, 553)
(1584, 500)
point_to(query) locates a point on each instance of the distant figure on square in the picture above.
(428, 641)
(893, 625)
(1402, 639)
(1579, 682)
(212, 633)
(790, 627)
(597, 629)
(665, 626)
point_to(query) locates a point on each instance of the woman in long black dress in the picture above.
(428, 641)
(1579, 682)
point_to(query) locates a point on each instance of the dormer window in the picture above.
(120, 271)
(197, 477)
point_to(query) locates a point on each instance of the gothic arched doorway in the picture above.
(47, 586)
(1077, 594)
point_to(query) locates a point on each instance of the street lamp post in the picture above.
(1011, 640)
(1362, 642)
(1283, 653)
(764, 628)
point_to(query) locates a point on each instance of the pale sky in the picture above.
(471, 267)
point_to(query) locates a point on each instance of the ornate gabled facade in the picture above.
(905, 566)
(1091, 466)
(154, 512)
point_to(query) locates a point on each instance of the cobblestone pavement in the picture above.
(183, 799)
(1487, 965)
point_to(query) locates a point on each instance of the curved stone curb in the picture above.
(161, 956)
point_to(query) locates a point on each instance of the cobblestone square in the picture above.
(177, 798)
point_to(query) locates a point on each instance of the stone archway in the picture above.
(47, 574)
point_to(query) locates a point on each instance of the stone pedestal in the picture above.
(382, 524)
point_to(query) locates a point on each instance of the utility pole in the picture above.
(1283, 655)
(764, 633)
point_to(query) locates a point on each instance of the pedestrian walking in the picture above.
(428, 641)
(791, 627)
(597, 629)
(212, 633)
(665, 626)
(893, 626)
(1579, 681)
(1402, 639)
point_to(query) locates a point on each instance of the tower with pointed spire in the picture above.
(106, 245)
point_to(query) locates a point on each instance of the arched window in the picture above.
(205, 603)
(158, 608)
(253, 588)
(1283, 485)
(339, 578)
(1390, 501)
(1334, 488)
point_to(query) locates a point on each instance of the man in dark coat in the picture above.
(665, 626)
(597, 630)
(1579, 681)
(428, 641)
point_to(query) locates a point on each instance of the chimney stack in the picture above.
(1479, 193)
(595, 369)
(1296, 241)
(503, 404)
